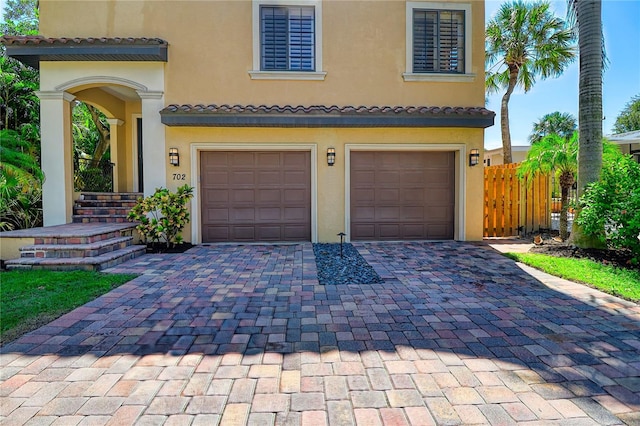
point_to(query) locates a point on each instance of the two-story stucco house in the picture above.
(292, 119)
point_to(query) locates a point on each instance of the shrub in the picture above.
(613, 203)
(163, 215)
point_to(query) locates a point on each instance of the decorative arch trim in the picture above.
(103, 80)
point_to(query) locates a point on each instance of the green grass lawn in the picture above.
(30, 299)
(617, 281)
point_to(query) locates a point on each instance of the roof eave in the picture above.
(329, 120)
(33, 54)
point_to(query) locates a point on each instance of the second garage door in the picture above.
(402, 195)
(256, 196)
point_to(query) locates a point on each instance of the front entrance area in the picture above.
(402, 195)
(256, 196)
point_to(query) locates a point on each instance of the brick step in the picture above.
(108, 218)
(74, 250)
(105, 196)
(104, 203)
(95, 263)
(84, 239)
(101, 211)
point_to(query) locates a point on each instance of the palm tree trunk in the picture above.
(504, 116)
(589, 15)
(564, 207)
(590, 95)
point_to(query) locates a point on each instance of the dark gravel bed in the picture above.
(350, 269)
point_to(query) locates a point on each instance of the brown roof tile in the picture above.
(32, 49)
(325, 116)
(40, 40)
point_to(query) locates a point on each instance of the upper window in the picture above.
(287, 40)
(438, 41)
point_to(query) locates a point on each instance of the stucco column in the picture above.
(154, 154)
(57, 160)
(114, 140)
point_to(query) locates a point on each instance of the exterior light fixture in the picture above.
(174, 157)
(474, 157)
(331, 156)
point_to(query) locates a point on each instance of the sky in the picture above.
(621, 22)
(621, 25)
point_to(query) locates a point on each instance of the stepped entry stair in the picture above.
(99, 237)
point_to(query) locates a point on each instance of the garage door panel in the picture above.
(387, 213)
(414, 195)
(216, 195)
(387, 196)
(268, 159)
(439, 232)
(296, 195)
(269, 178)
(240, 159)
(269, 196)
(364, 231)
(413, 213)
(387, 178)
(365, 178)
(388, 230)
(362, 196)
(241, 177)
(217, 214)
(243, 196)
(413, 231)
(271, 214)
(363, 214)
(256, 196)
(243, 233)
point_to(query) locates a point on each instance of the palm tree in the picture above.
(524, 41)
(562, 124)
(554, 154)
(588, 14)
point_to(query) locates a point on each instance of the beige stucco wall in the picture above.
(10, 247)
(332, 215)
(210, 51)
(210, 56)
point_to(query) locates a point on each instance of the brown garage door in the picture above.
(402, 195)
(256, 196)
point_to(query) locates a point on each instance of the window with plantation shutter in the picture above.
(438, 41)
(287, 38)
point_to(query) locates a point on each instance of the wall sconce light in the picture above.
(174, 157)
(331, 156)
(474, 157)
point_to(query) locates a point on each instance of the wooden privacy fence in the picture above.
(513, 206)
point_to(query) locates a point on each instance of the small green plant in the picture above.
(613, 203)
(163, 215)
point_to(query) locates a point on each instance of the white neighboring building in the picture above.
(494, 157)
(629, 143)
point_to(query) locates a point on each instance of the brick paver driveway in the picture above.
(457, 334)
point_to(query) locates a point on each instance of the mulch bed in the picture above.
(173, 248)
(551, 247)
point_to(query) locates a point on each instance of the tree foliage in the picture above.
(558, 123)
(20, 183)
(524, 42)
(163, 215)
(613, 204)
(554, 154)
(629, 118)
(20, 17)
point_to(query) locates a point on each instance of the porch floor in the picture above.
(68, 230)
